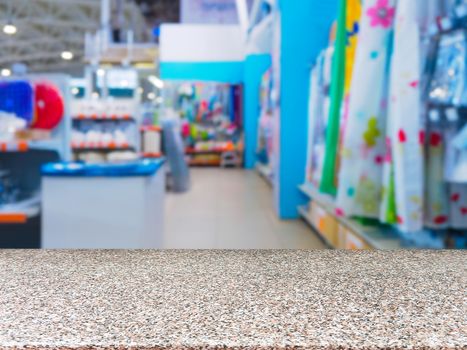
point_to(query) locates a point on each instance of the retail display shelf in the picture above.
(378, 237)
(194, 162)
(103, 117)
(84, 146)
(20, 212)
(150, 128)
(207, 151)
(265, 171)
(302, 210)
(24, 146)
(152, 155)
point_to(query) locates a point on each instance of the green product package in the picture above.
(328, 179)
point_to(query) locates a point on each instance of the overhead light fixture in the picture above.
(10, 28)
(100, 72)
(5, 72)
(75, 91)
(67, 55)
(151, 96)
(157, 82)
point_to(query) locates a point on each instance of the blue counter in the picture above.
(146, 167)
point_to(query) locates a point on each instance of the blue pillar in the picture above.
(254, 68)
(305, 27)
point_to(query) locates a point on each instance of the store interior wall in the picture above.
(311, 19)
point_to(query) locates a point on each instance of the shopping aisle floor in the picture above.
(230, 209)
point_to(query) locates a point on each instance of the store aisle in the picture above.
(230, 209)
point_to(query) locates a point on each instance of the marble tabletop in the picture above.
(233, 300)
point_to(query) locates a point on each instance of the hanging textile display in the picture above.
(353, 13)
(319, 105)
(360, 176)
(404, 164)
(328, 179)
(437, 189)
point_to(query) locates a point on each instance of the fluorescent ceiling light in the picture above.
(5, 72)
(157, 82)
(67, 55)
(10, 29)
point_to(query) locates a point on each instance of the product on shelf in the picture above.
(210, 120)
(402, 160)
(48, 105)
(17, 97)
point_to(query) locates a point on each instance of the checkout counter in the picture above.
(108, 206)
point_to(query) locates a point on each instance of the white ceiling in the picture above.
(48, 27)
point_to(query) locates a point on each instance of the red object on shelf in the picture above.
(49, 106)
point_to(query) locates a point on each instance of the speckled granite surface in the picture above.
(233, 299)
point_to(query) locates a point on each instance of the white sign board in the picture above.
(208, 11)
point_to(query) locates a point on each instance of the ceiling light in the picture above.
(140, 90)
(100, 72)
(151, 96)
(95, 95)
(67, 55)
(75, 91)
(157, 82)
(10, 28)
(5, 72)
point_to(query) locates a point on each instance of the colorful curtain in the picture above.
(363, 153)
(354, 10)
(328, 183)
(404, 171)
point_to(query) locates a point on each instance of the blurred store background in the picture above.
(233, 124)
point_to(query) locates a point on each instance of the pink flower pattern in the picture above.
(381, 14)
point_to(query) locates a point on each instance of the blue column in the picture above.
(305, 32)
(254, 68)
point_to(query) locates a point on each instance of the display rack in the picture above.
(383, 204)
(105, 115)
(23, 156)
(348, 233)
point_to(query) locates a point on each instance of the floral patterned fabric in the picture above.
(404, 165)
(363, 152)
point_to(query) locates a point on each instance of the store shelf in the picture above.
(103, 117)
(150, 128)
(194, 162)
(19, 213)
(24, 146)
(207, 151)
(265, 172)
(152, 155)
(378, 237)
(302, 210)
(90, 146)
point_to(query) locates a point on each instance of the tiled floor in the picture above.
(230, 209)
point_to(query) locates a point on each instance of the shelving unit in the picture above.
(20, 212)
(103, 117)
(376, 237)
(265, 172)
